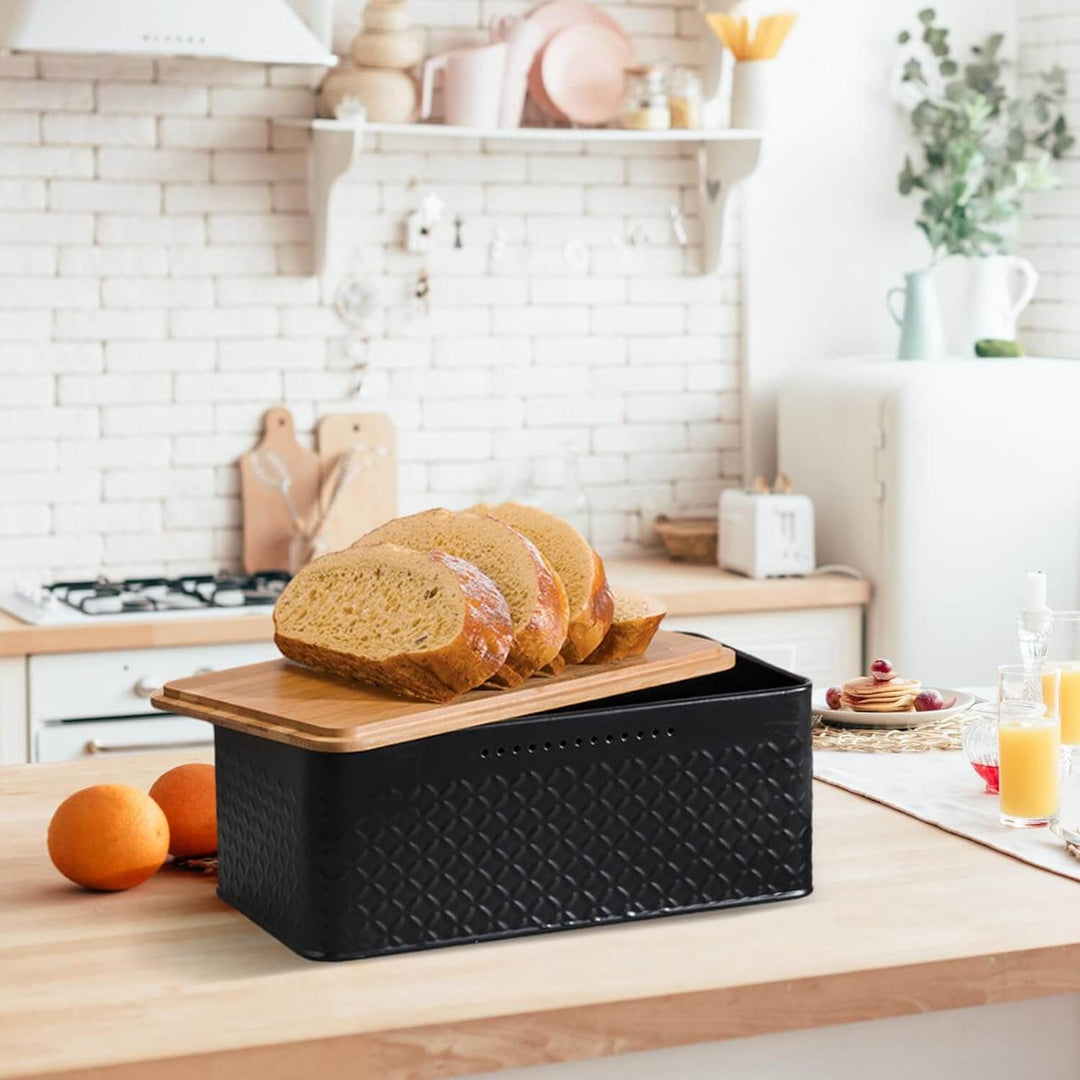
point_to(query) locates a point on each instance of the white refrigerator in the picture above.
(942, 482)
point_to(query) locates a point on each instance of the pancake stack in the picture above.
(867, 694)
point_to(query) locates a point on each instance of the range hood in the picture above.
(261, 31)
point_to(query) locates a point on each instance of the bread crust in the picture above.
(590, 622)
(627, 637)
(439, 675)
(589, 626)
(539, 641)
(543, 635)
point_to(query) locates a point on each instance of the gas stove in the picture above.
(201, 595)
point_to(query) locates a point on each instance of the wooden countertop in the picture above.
(905, 918)
(684, 588)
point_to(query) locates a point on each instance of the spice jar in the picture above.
(684, 98)
(645, 101)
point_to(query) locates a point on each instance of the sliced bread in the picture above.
(580, 568)
(636, 619)
(539, 611)
(424, 624)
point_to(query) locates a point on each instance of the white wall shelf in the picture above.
(725, 156)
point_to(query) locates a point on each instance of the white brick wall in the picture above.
(156, 298)
(1050, 238)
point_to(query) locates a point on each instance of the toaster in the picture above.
(766, 535)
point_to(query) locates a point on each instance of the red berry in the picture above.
(882, 670)
(928, 701)
(833, 697)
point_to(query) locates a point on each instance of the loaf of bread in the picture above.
(579, 567)
(424, 624)
(539, 611)
(636, 619)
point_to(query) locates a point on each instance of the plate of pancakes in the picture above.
(885, 700)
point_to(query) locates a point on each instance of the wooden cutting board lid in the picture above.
(288, 703)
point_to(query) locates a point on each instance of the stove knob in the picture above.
(144, 688)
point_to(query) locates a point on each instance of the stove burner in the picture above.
(192, 591)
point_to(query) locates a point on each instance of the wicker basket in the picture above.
(688, 539)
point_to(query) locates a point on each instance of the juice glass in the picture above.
(1064, 653)
(1040, 683)
(1029, 749)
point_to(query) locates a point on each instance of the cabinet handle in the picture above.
(144, 688)
(95, 747)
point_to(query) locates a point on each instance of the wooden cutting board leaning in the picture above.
(298, 502)
(287, 703)
(358, 466)
(279, 485)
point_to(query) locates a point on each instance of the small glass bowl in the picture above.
(980, 740)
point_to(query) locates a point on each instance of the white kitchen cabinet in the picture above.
(14, 723)
(824, 644)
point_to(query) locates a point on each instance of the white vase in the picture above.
(989, 306)
(753, 93)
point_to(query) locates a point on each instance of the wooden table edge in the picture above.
(632, 1025)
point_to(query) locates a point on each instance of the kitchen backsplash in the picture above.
(156, 297)
(1049, 35)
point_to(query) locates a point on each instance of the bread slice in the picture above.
(636, 619)
(539, 611)
(424, 624)
(580, 568)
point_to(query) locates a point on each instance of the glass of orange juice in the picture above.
(1029, 752)
(1064, 653)
(1039, 682)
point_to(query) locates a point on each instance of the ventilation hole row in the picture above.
(565, 744)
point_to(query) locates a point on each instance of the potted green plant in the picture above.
(982, 147)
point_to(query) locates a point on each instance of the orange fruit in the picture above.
(186, 794)
(109, 837)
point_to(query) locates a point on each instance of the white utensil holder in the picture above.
(753, 88)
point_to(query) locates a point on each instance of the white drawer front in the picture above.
(70, 686)
(67, 742)
(823, 644)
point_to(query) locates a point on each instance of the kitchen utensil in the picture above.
(523, 39)
(582, 71)
(553, 821)
(288, 703)
(549, 19)
(269, 520)
(921, 334)
(472, 85)
(367, 496)
(956, 702)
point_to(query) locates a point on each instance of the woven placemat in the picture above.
(937, 735)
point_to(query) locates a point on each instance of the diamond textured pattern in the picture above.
(574, 819)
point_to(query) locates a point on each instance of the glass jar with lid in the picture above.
(684, 98)
(645, 100)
